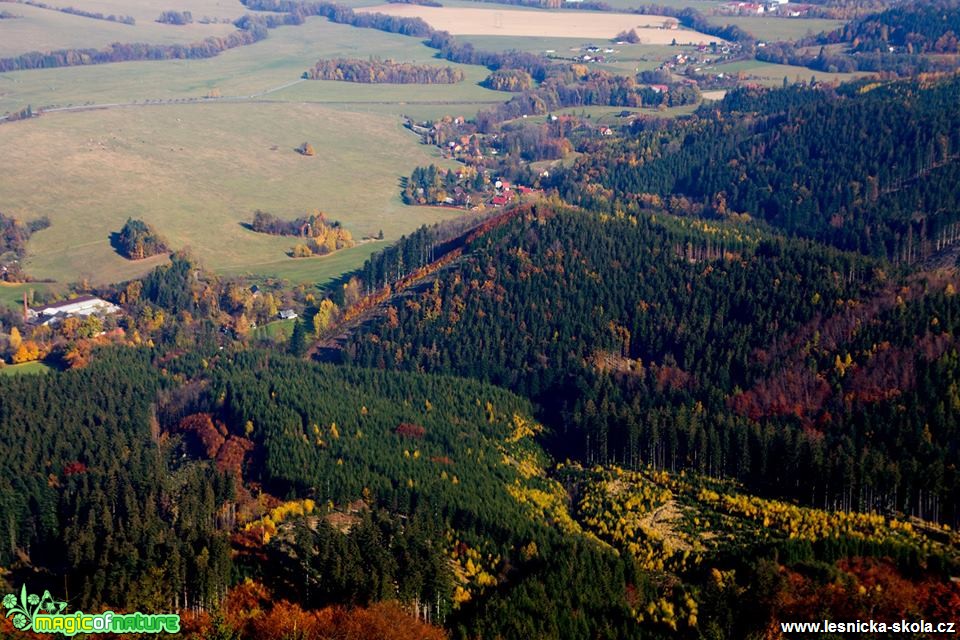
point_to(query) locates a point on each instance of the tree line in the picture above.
(119, 52)
(322, 236)
(382, 71)
(95, 15)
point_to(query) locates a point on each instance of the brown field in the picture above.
(544, 24)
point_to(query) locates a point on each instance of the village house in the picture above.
(288, 314)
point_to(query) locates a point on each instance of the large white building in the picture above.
(76, 308)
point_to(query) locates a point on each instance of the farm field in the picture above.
(48, 30)
(611, 116)
(551, 24)
(775, 29)
(251, 71)
(196, 172)
(181, 168)
(149, 10)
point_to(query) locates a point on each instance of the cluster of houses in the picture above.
(505, 193)
(592, 53)
(705, 54)
(465, 145)
(502, 194)
(778, 7)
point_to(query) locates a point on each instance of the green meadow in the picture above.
(770, 74)
(24, 369)
(47, 30)
(196, 169)
(196, 172)
(774, 29)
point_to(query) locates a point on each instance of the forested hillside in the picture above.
(926, 26)
(689, 345)
(649, 379)
(87, 495)
(335, 487)
(867, 168)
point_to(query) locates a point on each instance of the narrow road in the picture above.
(252, 98)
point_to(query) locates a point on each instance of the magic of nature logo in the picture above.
(43, 614)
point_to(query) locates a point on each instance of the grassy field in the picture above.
(245, 71)
(11, 295)
(773, 74)
(24, 369)
(148, 10)
(774, 29)
(196, 172)
(277, 331)
(48, 30)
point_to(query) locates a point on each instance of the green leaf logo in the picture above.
(23, 609)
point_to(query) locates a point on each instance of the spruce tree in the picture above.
(298, 340)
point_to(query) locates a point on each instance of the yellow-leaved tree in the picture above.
(15, 340)
(325, 317)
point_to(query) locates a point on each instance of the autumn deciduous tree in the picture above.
(27, 352)
(15, 339)
(326, 315)
(243, 326)
(301, 251)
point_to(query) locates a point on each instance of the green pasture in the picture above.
(48, 30)
(772, 28)
(196, 172)
(24, 369)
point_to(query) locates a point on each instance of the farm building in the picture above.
(76, 308)
(288, 314)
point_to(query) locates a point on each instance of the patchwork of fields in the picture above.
(141, 139)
